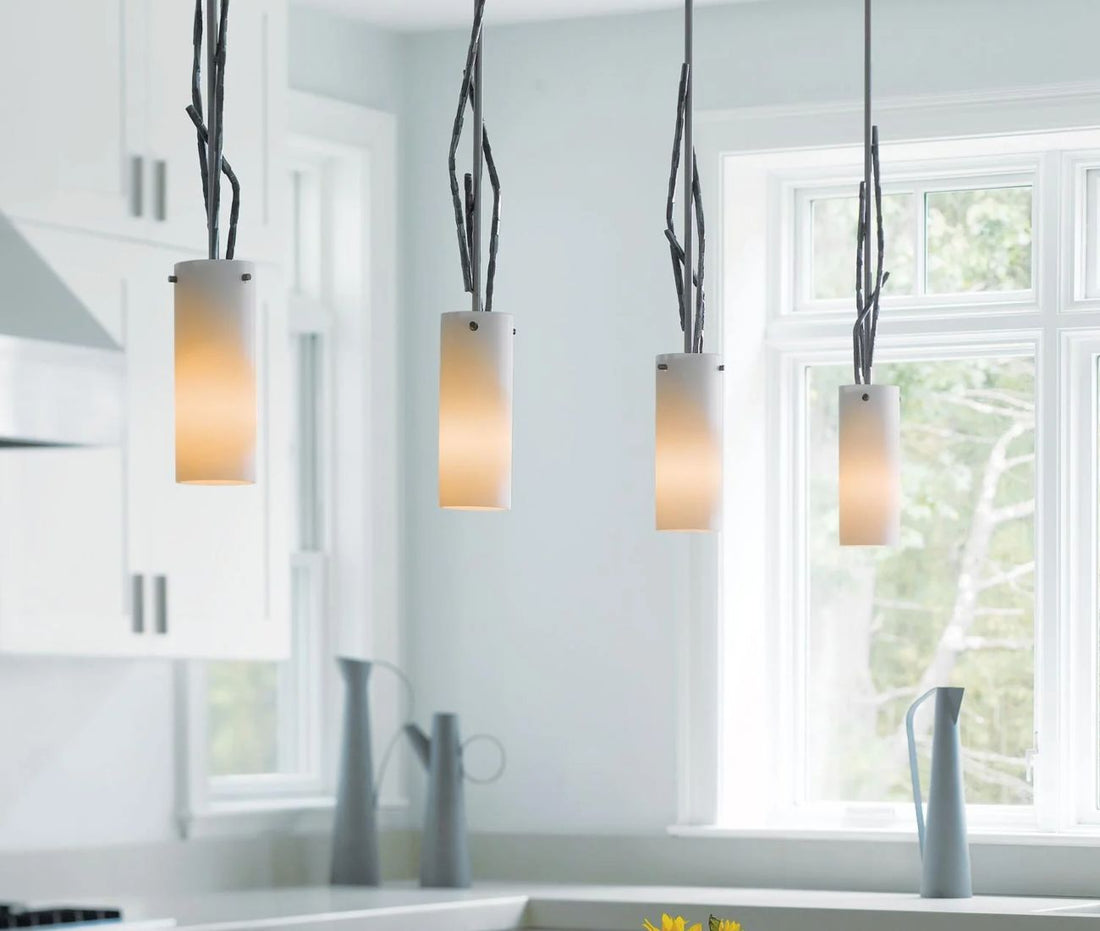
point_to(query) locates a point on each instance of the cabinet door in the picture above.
(66, 541)
(254, 106)
(220, 555)
(72, 113)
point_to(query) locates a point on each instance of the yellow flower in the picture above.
(723, 924)
(668, 923)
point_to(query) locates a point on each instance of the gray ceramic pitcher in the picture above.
(444, 850)
(355, 829)
(945, 856)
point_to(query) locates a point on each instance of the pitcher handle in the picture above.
(502, 766)
(914, 771)
(387, 754)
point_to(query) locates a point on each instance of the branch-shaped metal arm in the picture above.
(701, 235)
(676, 250)
(865, 329)
(231, 177)
(462, 212)
(494, 230)
(211, 187)
(196, 99)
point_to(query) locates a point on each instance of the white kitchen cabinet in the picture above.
(101, 553)
(98, 134)
(73, 109)
(68, 537)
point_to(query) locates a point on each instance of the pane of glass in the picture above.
(835, 224)
(308, 414)
(303, 246)
(979, 240)
(242, 718)
(259, 715)
(1091, 271)
(953, 605)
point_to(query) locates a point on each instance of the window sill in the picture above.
(1080, 837)
(292, 815)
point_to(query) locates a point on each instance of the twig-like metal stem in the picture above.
(689, 167)
(464, 98)
(692, 325)
(231, 177)
(466, 198)
(196, 99)
(210, 142)
(867, 298)
(494, 230)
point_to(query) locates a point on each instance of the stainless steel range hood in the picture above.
(61, 374)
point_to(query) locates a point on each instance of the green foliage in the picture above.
(979, 240)
(242, 716)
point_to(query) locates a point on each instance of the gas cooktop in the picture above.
(18, 916)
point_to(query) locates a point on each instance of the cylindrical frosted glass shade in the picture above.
(689, 441)
(870, 465)
(475, 411)
(215, 373)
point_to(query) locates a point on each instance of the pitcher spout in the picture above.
(420, 744)
(953, 699)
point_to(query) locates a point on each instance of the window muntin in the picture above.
(954, 604)
(968, 238)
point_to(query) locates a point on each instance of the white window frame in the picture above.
(917, 181)
(357, 320)
(749, 155)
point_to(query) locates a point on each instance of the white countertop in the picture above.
(503, 907)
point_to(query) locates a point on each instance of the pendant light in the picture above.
(215, 347)
(688, 462)
(475, 360)
(870, 415)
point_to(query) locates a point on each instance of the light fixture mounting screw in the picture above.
(473, 326)
(246, 277)
(172, 279)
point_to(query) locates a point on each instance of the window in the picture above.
(991, 327)
(258, 742)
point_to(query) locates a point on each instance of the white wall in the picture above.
(553, 626)
(350, 61)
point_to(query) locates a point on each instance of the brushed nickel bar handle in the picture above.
(160, 596)
(137, 603)
(137, 186)
(160, 190)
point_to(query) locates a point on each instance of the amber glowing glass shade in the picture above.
(215, 373)
(475, 411)
(870, 465)
(689, 442)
